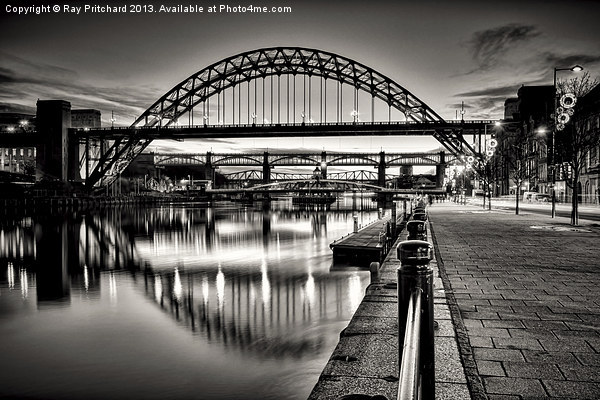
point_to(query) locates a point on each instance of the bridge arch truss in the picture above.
(267, 87)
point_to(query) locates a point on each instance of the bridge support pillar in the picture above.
(440, 171)
(209, 171)
(381, 170)
(266, 168)
(324, 165)
(53, 119)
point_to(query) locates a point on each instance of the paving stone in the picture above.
(473, 323)
(531, 333)
(448, 367)
(333, 388)
(574, 372)
(497, 354)
(481, 341)
(490, 368)
(572, 345)
(518, 316)
(480, 315)
(514, 386)
(451, 391)
(502, 324)
(490, 332)
(573, 390)
(445, 328)
(588, 358)
(517, 343)
(364, 356)
(532, 370)
(537, 356)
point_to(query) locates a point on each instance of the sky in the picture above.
(446, 53)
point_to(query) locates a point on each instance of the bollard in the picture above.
(374, 268)
(355, 223)
(415, 286)
(417, 230)
(419, 216)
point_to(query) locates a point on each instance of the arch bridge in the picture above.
(272, 92)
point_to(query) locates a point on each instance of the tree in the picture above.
(517, 147)
(575, 136)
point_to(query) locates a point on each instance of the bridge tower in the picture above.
(53, 120)
(266, 168)
(381, 170)
(440, 171)
(208, 168)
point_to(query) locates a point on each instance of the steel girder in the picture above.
(306, 159)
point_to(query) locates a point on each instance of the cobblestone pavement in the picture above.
(524, 294)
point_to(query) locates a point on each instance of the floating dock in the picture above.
(370, 244)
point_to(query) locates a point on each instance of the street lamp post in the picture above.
(575, 68)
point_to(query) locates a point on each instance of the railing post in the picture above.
(415, 273)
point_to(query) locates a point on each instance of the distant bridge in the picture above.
(322, 161)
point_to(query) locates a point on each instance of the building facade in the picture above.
(15, 158)
(521, 160)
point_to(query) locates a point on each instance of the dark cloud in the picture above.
(566, 61)
(16, 108)
(20, 78)
(488, 46)
(500, 91)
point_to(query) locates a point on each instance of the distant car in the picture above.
(544, 198)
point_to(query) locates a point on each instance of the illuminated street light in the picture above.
(575, 68)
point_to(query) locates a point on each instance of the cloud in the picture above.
(16, 108)
(567, 61)
(486, 103)
(499, 92)
(488, 46)
(22, 82)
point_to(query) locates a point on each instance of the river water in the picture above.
(173, 302)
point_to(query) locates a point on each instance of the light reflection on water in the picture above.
(173, 303)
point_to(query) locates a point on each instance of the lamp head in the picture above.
(577, 68)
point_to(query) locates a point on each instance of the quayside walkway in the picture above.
(517, 304)
(524, 299)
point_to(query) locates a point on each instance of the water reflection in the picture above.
(256, 284)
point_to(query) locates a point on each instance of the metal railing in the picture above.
(415, 321)
(409, 382)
